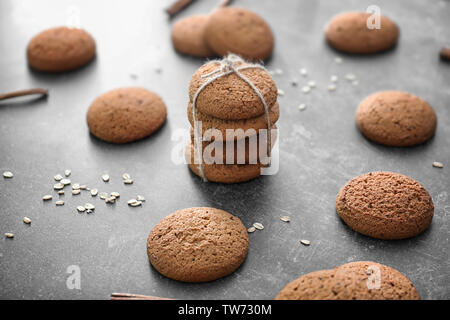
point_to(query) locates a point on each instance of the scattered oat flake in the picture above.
(75, 192)
(128, 181)
(312, 84)
(258, 226)
(338, 60)
(65, 182)
(350, 76)
(303, 71)
(59, 203)
(58, 177)
(140, 198)
(280, 92)
(305, 242)
(26, 220)
(331, 87)
(115, 194)
(105, 177)
(285, 218)
(251, 229)
(9, 235)
(438, 164)
(67, 172)
(89, 206)
(110, 200)
(60, 192)
(58, 186)
(132, 201)
(94, 192)
(81, 209)
(306, 89)
(47, 197)
(8, 174)
(126, 176)
(75, 186)
(136, 204)
(83, 187)
(88, 211)
(103, 195)
(278, 71)
(334, 78)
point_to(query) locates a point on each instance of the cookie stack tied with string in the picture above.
(232, 108)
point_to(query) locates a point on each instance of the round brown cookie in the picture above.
(60, 49)
(249, 145)
(223, 173)
(197, 244)
(348, 32)
(351, 281)
(396, 118)
(256, 123)
(445, 53)
(385, 205)
(230, 97)
(316, 285)
(239, 31)
(126, 114)
(188, 36)
(354, 279)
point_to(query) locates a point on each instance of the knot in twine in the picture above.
(228, 65)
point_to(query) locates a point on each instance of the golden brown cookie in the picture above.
(230, 97)
(126, 114)
(198, 244)
(362, 280)
(239, 31)
(188, 36)
(396, 118)
(385, 282)
(222, 173)
(250, 147)
(60, 49)
(385, 205)
(348, 32)
(445, 53)
(256, 123)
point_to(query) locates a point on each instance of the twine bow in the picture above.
(228, 65)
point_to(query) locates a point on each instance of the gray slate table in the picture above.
(320, 150)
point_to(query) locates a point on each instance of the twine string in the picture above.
(227, 66)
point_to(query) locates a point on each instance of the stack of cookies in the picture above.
(232, 108)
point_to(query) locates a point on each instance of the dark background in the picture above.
(320, 150)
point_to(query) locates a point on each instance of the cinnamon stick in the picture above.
(177, 6)
(21, 93)
(131, 296)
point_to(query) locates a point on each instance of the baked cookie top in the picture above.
(126, 114)
(197, 244)
(351, 281)
(188, 36)
(348, 32)
(396, 118)
(385, 205)
(239, 31)
(230, 97)
(60, 49)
